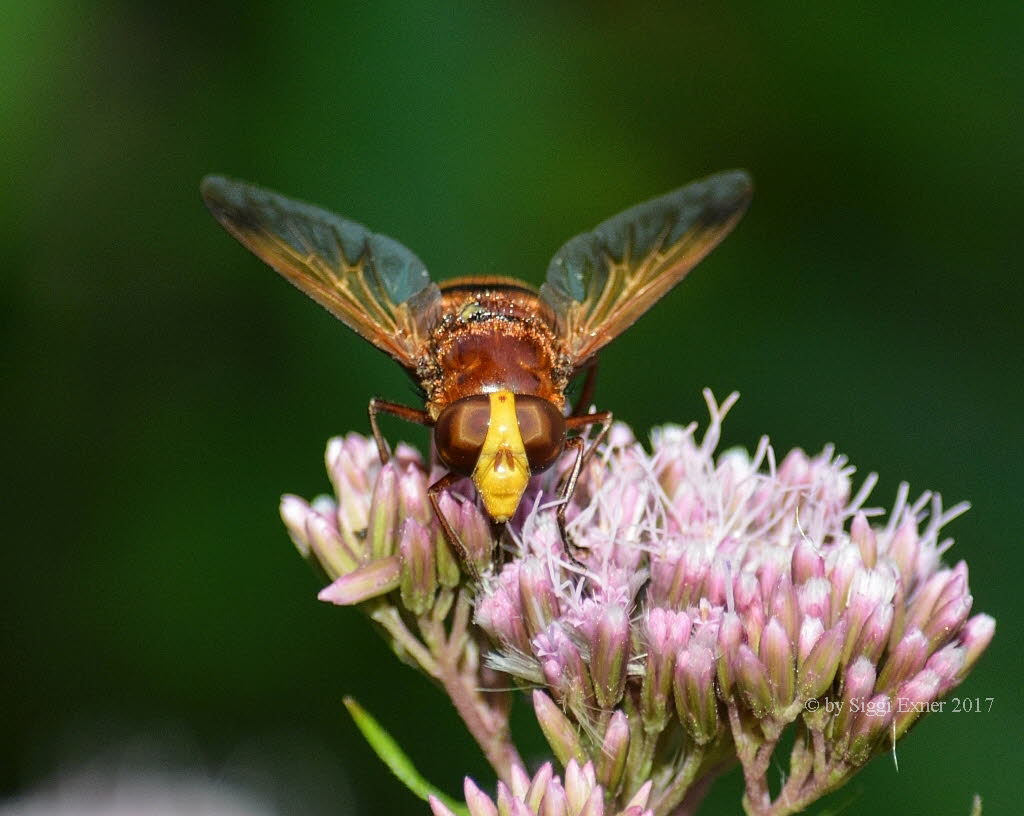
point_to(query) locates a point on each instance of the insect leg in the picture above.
(604, 418)
(379, 406)
(587, 393)
(567, 491)
(434, 493)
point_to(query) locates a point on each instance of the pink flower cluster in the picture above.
(705, 603)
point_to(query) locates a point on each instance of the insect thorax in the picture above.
(487, 341)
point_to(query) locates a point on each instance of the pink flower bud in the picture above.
(560, 733)
(807, 562)
(419, 575)
(753, 683)
(908, 658)
(863, 536)
(609, 655)
(540, 603)
(819, 668)
(694, 693)
(369, 581)
(611, 763)
(975, 637)
(382, 525)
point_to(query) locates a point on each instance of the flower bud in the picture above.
(863, 536)
(293, 513)
(580, 787)
(730, 638)
(694, 688)
(508, 804)
(811, 630)
(819, 668)
(609, 655)
(904, 549)
(554, 802)
(348, 467)
(870, 725)
(913, 699)
(907, 659)
(752, 682)
(368, 581)
(975, 637)
(947, 621)
(666, 633)
(382, 525)
(477, 801)
(611, 764)
(559, 732)
(540, 604)
(858, 685)
(419, 574)
(439, 808)
(537, 787)
(564, 669)
(947, 663)
(875, 634)
(413, 501)
(807, 562)
(784, 607)
(845, 569)
(328, 548)
(814, 599)
(637, 806)
(776, 655)
(475, 534)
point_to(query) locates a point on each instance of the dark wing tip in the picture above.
(213, 189)
(729, 192)
(229, 201)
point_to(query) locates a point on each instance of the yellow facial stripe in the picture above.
(502, 470)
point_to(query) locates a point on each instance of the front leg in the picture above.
(379, 406)
(583, 454)
(434, 493)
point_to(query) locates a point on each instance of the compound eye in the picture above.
(542, 428)
(460, 431)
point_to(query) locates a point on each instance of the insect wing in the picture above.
(370, 282)
(601, 282)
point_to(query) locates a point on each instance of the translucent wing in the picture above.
(602, 281)
(370, 282)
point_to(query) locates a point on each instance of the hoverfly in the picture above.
(493, 355)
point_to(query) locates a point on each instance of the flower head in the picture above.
(547, 795)
(378, 534)
(704, 603)
(715, 599)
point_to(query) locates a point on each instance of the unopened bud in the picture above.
(558, 730)
(694, 692)
(609, 655)
(368, 581)
(752, 682)
(382, 526)
(612, 762)
(419, 574)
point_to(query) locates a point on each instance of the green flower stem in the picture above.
(755, 754)
(390, 619)
(463, 688)
(671, 797)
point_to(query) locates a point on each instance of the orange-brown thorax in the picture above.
(494, 334)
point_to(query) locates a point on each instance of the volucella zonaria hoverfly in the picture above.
(493, 355)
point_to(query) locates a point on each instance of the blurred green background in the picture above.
(162, 388)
